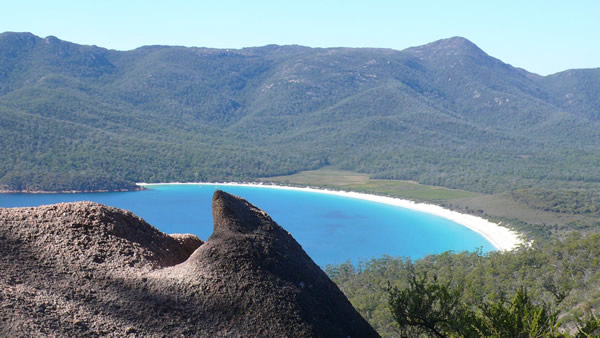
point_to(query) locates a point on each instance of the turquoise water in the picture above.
(331, 229)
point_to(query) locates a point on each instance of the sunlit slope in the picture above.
(444, 113)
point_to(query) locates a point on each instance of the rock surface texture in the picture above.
(86, 269)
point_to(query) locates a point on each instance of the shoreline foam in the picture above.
(502, 238)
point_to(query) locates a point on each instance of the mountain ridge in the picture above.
(73, 113)
(458, 44)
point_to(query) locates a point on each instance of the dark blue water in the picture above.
(331, 229)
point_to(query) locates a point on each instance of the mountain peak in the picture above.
(52, 39)
(457, 41)
(18, 38)
(454, 46)
(22, 35)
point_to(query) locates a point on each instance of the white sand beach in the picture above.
(500, 237)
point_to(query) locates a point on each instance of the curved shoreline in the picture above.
(500, 237)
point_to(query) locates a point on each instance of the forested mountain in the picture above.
(87, 118)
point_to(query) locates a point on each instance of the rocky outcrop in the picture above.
(88, 269)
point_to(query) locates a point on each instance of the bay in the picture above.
(331, 229)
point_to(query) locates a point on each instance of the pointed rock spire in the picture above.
(234, 214)
(271, 277)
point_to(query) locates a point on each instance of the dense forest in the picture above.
(568, 201)
(76, 117)
(563, 274)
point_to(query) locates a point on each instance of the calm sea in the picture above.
(331, 229)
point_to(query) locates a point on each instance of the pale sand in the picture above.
(500, 237)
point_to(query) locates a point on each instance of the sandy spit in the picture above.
(502, 238)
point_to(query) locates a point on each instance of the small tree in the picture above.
(518, 318)
(430, 308)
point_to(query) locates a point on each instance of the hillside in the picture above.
(79, 117)
(85, 269)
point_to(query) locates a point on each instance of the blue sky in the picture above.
(542, 36)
